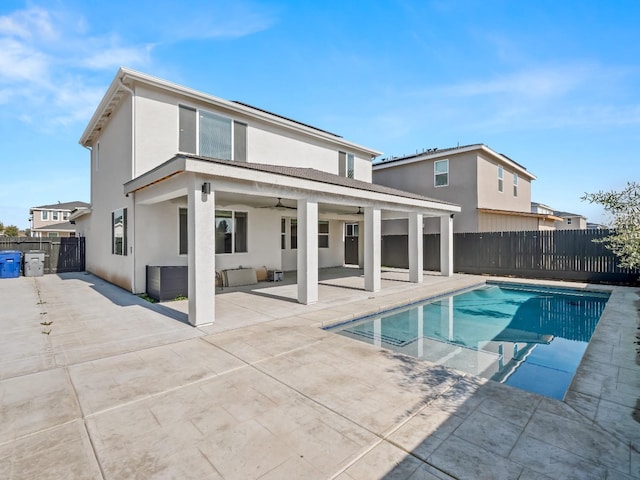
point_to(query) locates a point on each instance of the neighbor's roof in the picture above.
(435, 153)
(64, 226)
(126, 78)
(60, 206)
(567, 214)
(513, 213)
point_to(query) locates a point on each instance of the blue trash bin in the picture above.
(10, 263)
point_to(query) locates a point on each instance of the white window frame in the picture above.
(515, 184)
(436, 173)
(500, 179)
(323, 234)
(293, 222)
(181, 231)
(55, 215)
(65, 216)
(124, 246)
(233, 232)
(569, 221)
(44, 215)
(198, 111)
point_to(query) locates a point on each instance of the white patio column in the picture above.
(446, 245)
(307, 252)
(372, 249)
(415, 247)
(361, 244)
(201, 252)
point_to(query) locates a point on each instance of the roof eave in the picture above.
(125, 74)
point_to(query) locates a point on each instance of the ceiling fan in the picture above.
(279, 206)
(359, 212)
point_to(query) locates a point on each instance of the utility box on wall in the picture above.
(34, 264)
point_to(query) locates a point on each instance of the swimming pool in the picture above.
(526, 336)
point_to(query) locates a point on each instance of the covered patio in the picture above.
(207, 185)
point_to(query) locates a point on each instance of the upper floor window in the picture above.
(500, 179)
(211, 135)
(54, 215)
(569, 221)
(119, 231)
(44, 214)
(441, 173)
(515, 184)
(231, 231)
(65, 216)
(346, 164)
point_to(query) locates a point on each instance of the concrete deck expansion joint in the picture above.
(121, 388)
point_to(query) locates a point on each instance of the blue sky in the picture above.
(555, 85)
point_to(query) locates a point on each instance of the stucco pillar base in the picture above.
(307, 252)
(372, 249)
(415, 248)
(446, 245)
(201, 257)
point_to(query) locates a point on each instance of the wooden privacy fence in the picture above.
(60, 254)
(554, 254)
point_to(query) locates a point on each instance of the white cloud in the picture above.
(48, 63)
(19, 61)
(114, 57)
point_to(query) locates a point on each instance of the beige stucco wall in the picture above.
(418, 178)
(488, 222)
(156, 137)
(488, 194)
(108, 174)
(577, 223)
(473, 184)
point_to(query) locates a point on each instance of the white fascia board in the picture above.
(258, 182)
(79, 213)
(114, 87)
(448, 153)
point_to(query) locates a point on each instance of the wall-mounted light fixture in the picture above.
(451, 216)
(206, 188)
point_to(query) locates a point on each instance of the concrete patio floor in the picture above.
(113, 387)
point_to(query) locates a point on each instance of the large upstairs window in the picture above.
(211, 135)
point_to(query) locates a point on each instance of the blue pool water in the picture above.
(528, 337)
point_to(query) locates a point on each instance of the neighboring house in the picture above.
(53, 220)
(493, 190)
(565, 220)
(571, 221)
(182, 178)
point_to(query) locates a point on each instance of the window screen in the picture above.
(215, 136)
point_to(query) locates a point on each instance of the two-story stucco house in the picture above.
(493, 191)
(53, 220)
(183, 178)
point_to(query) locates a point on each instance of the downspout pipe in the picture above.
(132, 245)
